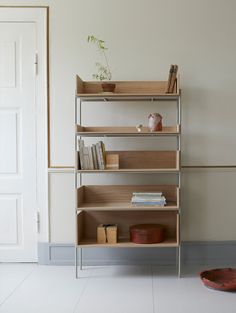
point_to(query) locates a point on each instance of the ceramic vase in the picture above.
(155, 122)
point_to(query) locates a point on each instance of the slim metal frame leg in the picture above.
(76, 264)
(81, 259)
(179, 261)
(177, 258)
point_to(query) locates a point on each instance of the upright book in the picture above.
(171, 83)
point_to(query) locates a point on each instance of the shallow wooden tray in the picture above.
(221, 279)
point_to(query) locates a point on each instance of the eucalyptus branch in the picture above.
(109, 71)
(104, 72)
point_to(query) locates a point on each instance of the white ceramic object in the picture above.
(139, 128)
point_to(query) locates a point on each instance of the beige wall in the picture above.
(144, 38)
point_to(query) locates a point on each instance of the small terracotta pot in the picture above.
(108, 87)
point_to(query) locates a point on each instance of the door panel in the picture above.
(7, 64)
(9, 142)
(18, 231)
(10, 220)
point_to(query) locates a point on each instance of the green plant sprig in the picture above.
(103, 71)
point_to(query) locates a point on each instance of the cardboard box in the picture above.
(112, 234)
(101, 234)
(107, 233)
(112, 161)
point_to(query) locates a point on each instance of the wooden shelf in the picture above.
(110, 131)
(88, 221)
(120, 206)
(125, 90)
(126, 97)
(125, 243)
(143, 162)
(118, 197)
(140, 171)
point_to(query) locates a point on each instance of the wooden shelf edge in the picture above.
(103, 134)
(123, 94)
(131, 171)
(126, 131)
(169, 243)
(135, 208)
(103, 98)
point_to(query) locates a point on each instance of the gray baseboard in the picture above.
(194, 252)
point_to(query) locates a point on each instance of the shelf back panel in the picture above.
(123, 193)
(147, 159)
(84, 88)
(124, 220)
(125, 130)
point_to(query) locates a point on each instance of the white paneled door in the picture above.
(18, 211)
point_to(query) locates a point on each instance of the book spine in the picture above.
(169, 78)
(81, 152)
(95, 162)
(173, 79)
(149, 203)
(98, 156)
(101, 155)
(90, 156)
(80, 144)
(147, 194)
(86, 158)
(147, 199)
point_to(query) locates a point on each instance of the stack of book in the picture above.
(172, 79)
(91, 157)
(148, 198)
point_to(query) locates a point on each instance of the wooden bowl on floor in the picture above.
(221, 279)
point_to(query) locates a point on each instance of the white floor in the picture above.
(31, 288)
